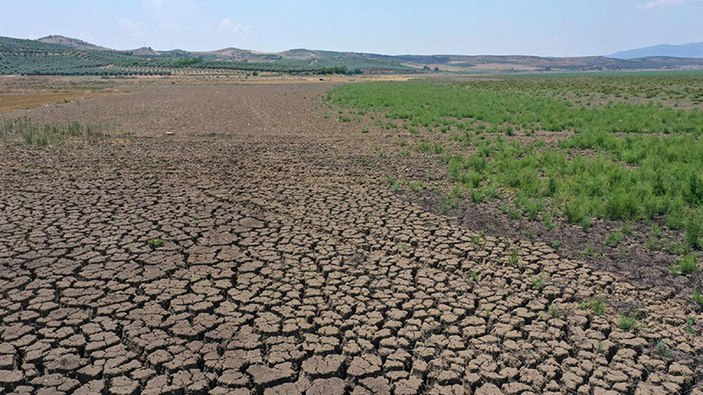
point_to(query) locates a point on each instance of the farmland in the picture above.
(188, 233)
(573, 149)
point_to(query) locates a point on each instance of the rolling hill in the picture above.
(71, 42)
(692, 50)
(59, 55)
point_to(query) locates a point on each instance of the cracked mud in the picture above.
(289, 267)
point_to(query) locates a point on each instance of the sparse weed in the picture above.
(513, 258)
(698, 299)
(156, 243)
(530, 234)
(25, 131)
(656, 231)
(538, 283)
(690, 325)
(416, 186)
(393, 183)
(476, 242)
(663, 348)
(687, 265)
(430, 148)
(596, 305)
(474, 276)
(627, 322)
(614, 239)
(403, 247)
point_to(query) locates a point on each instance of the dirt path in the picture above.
(289, 267)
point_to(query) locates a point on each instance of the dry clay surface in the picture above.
(289, 267)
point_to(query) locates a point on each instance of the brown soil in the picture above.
(18, 101)
(289, 267)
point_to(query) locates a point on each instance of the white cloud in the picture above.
(227, 26)
(661, 4)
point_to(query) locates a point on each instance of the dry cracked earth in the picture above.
(289, 267)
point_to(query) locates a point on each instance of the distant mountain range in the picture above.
(59, 55)
(692, 50)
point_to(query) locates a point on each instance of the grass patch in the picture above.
(538, 283)
(156, 243)
(698, 299)
(596, 305)
(663, 348)
(628, 322)
(687, 265)
(619, 161)
(614, 239)
(25, 131)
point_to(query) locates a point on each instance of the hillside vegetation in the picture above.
(58, 55)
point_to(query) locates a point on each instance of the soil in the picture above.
(288, 266)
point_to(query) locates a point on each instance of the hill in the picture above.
(59, 55)
(71, 42)
(692, 50)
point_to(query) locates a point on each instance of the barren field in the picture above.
(242, 238)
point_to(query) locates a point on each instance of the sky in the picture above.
(469, 27)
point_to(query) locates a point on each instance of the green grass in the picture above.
(698, 299)
(538, 283)
(614, 239)
(663, 348)
(432, 148)
(513, 258)
(596, 305)
(691, 324)
(393, 183)
(474, 276)
(156, 243)
(687, 265)
(627, 322)
(25, 131)
(416, 186)
(614, 159)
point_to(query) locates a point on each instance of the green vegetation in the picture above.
(698, 299)
(584, 151)
(691, 325)
(628, 322)
(393, 183)
(597, 305)
(663, 348)
(538, 283)
(30, 57)
(687, 265)
(156, 243)
(513, 258)
(27, 132)
(614, 239)
(416, 186)
(474, 276)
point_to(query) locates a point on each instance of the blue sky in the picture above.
(530, 27)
